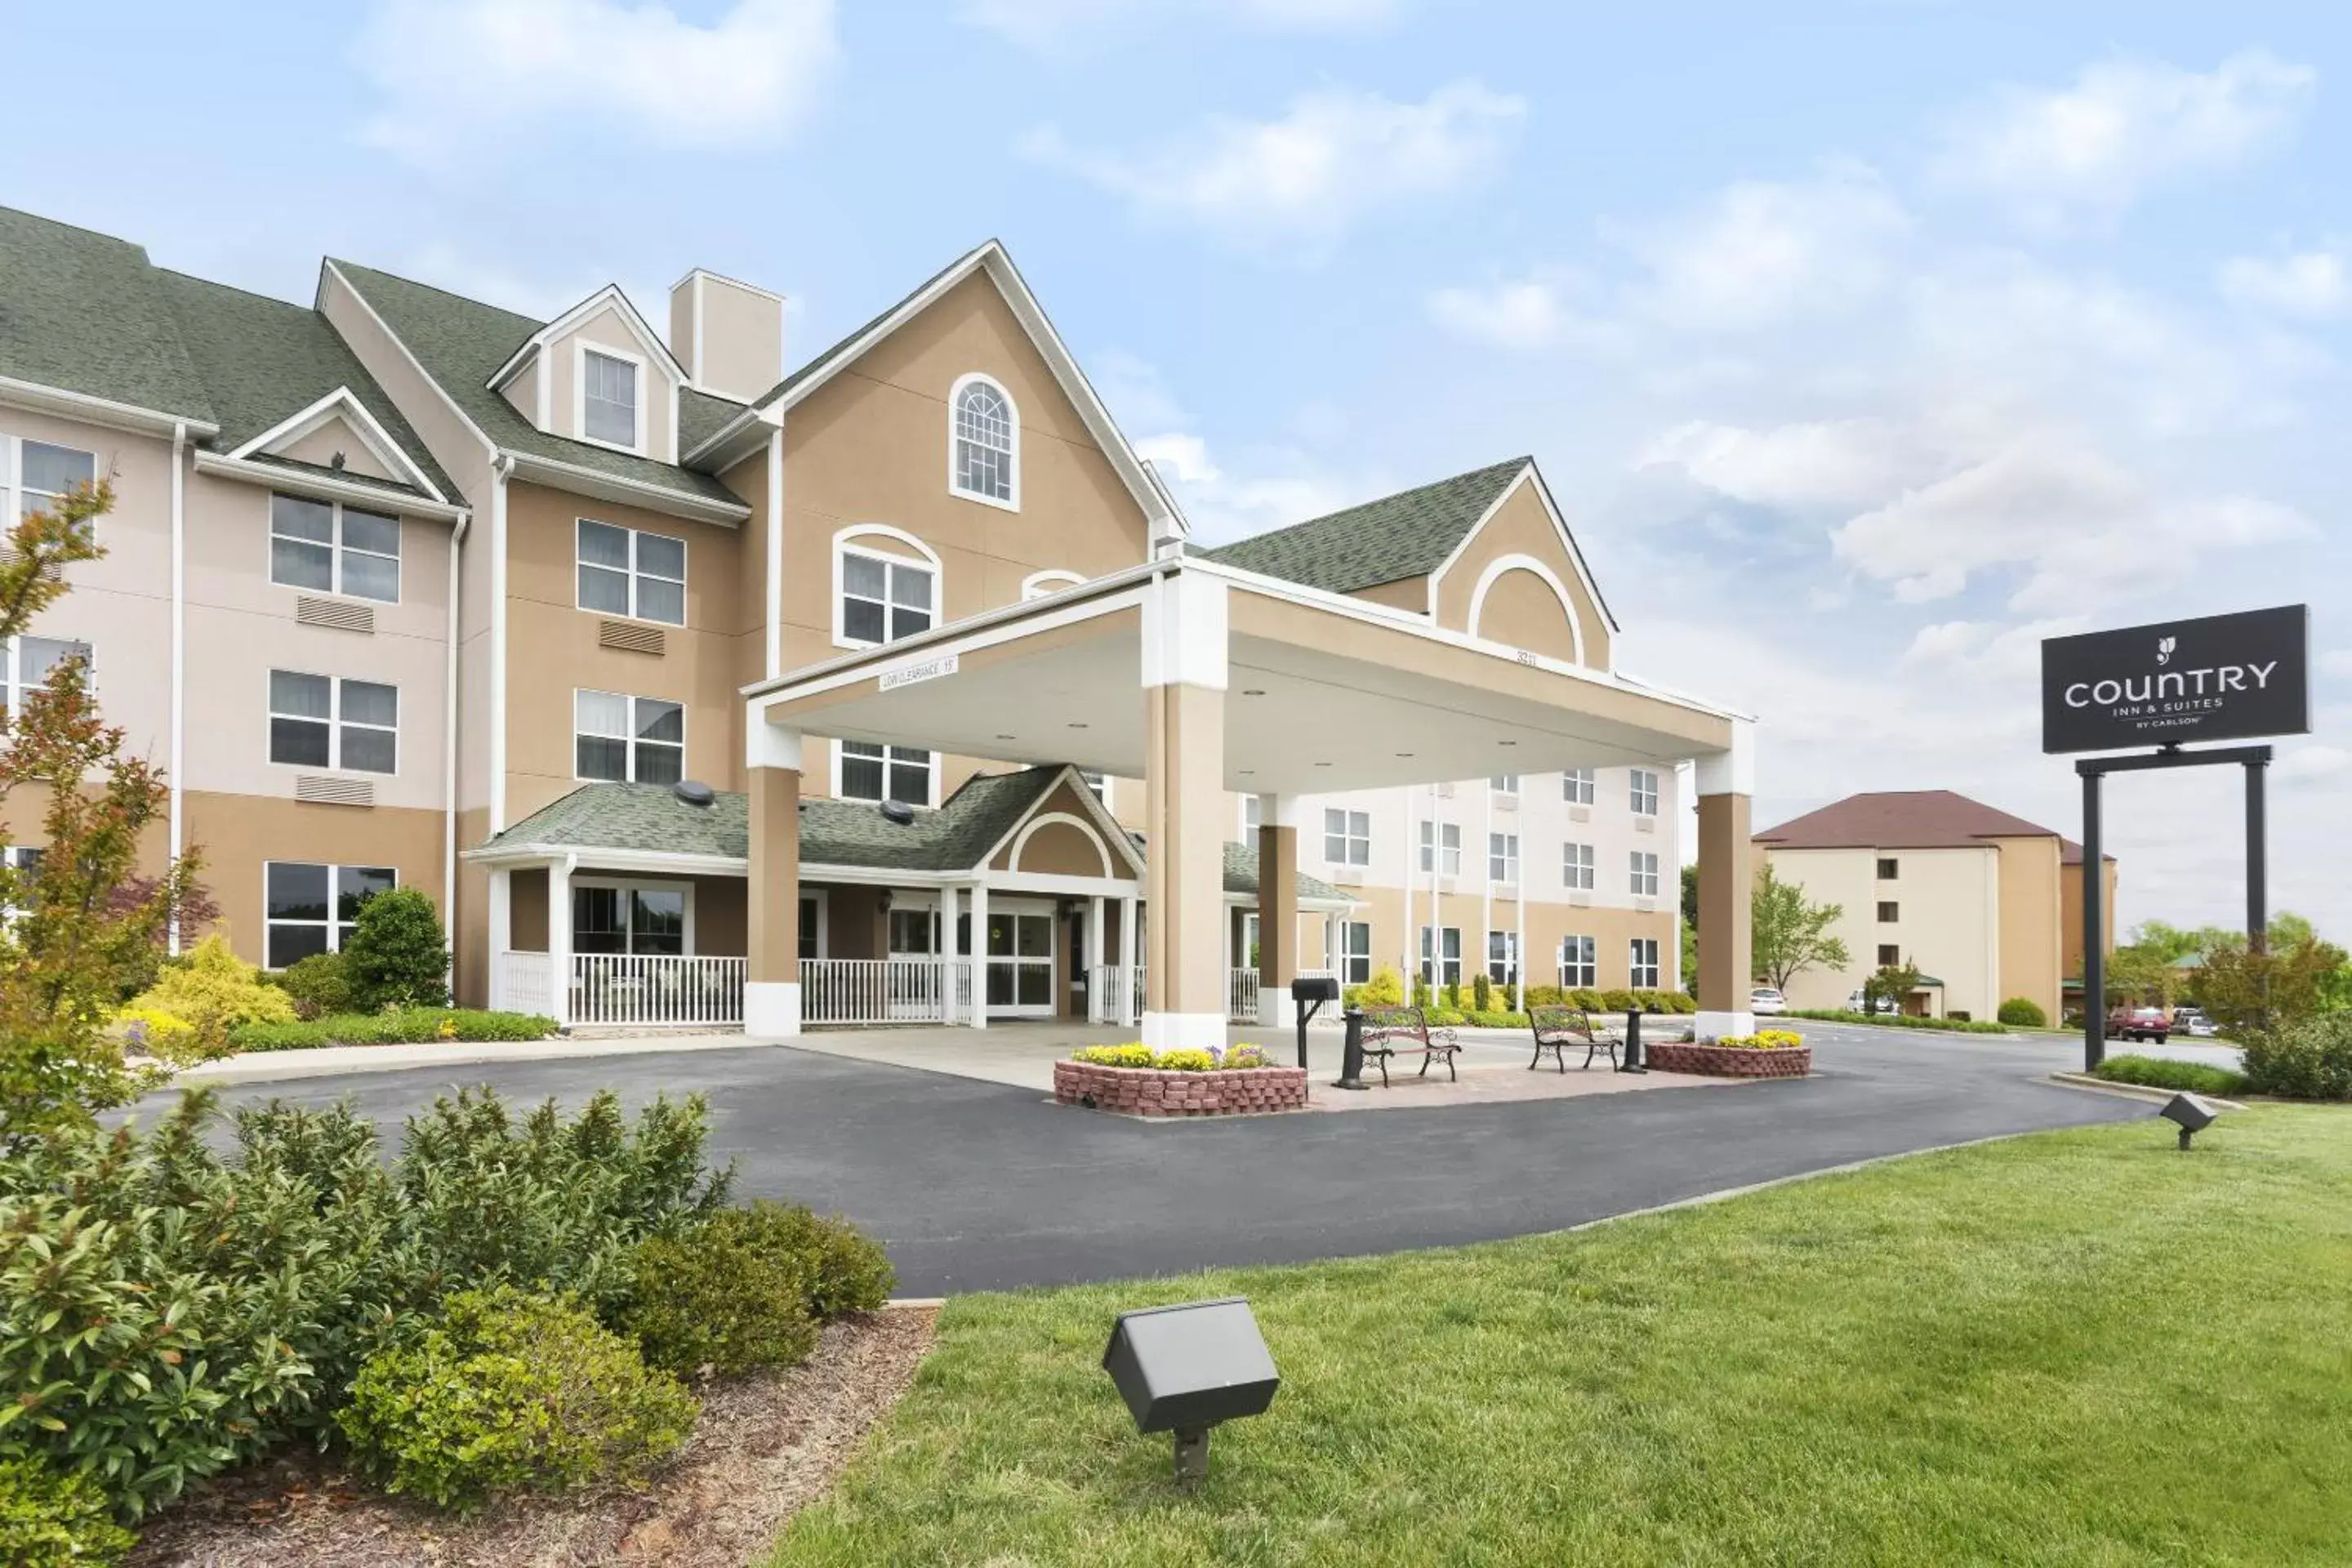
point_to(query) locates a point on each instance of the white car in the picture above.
(1858, 1003)
(1764, 999)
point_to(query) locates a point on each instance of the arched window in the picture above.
(984, 435)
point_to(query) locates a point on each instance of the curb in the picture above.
(2145, 1093)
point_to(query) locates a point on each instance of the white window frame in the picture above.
(1577, 867)
(1577, 786)
(1353, 833)
(1013, 456)
(634, 572)
(1251, 820)
(889, 762)
(1349, 959)
(13, 685)
(1099, 782)
(336, 548)
(1508, 961)
(634, 885)
(631, 740)
(822, 924)
(1579, 962)
(1434, 958)
(1642, 792)
(1504, 787)
(845, 546)
(1440, 844)
(334, 721)
(580, 348)
(1642, 952)
(11, 475)
(1637, 872)
(334, 871)
(1503, 858)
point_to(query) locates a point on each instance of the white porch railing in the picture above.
(885, 990)
(1241, 995)
(655, 991)
(1117, 994)
(522, 982)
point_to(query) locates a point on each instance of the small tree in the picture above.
(2245, 992)
(396, 955)
(1790, 935)
(1893, 983)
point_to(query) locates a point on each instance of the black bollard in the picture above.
(1634, 1061)
(1351, 1058)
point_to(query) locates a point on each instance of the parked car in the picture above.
(2138, 1021)
(1766, 999)
(2191, 1021)
(1858, 1003)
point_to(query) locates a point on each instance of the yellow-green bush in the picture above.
(1385, 989)
(215, 990)
(1185, 1061)
(1137, 1055)
(54, 1519)
(1763, 1040)
(164, 1036)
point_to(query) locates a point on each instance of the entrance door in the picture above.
(1021, 963)
(914, 987)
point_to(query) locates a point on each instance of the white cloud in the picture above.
(1823, 464)
(2122, 128)
(2315, 285)
(2338, 661)
(2310, 761)
(1526, 314)
(1299, 181)
(2078, 526)
(1181, 459)
(1054, 27)
(1270, 486)
(458, 76)
(2006, 653)
(1135, 392)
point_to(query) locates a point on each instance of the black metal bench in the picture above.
(1556, 1029)
(1405, 1032)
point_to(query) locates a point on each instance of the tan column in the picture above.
(1183, 677)
(1277, 909)
(1726, 886)
(771, 991)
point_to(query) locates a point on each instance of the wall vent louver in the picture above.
(629, 637)
(321, 790)
(337, 614)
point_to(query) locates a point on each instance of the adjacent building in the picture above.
(1986, 905)
(404, 589)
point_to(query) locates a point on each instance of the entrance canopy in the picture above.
(1324, 692)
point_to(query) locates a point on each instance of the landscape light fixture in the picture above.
(2192, 1113)
(1184, 1369)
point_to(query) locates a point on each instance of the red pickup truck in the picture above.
(2134, 1022)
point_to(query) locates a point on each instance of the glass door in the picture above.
(1021, 963)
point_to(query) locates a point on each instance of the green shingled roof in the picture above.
(81, 312)
(463, 342)
(1408, 534)
(1240, 874)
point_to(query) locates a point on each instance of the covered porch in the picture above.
(1202, 678)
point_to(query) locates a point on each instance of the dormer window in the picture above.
(983, 459)
(609, 400)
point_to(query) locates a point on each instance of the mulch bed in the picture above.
(765, 1447)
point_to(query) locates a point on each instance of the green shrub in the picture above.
(748, 1288)
(1617, 1000)
(2162, 1072)
(396, 955)
(1482, 992)
(2022, 1013)
(1586, 998)
(319, 985)
(851, 1272)
(1898, 1021)
(51, 1519)
(510, 1392)
(214, 990)
(2310, 1060)
(404, 1027)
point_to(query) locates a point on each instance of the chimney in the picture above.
(729, 335)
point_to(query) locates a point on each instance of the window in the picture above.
(1575, 867)
(1020, 974)
(812, 933)
(1578, 966)
(1644, 963)
(1505, 783)
(1441, 847)
(1889, 911)
(333, 549)
(608, 399)
(1576, 786)
(1502, 856)
(625, 917)
(884, 598)
(325, 722)
(1346, 836)
(1253, 818)
(983, 463)
(627, 739)
(1890, 955)
(624, 571)
(884, 773)
(1355, 953)
(39, 475)
(1443, 965)
(1644, 874)
(25, 859)
(1887, 868)
(1503, 957)
(1099, 783)
(25, 663)
(310, 908)
(1644, 793)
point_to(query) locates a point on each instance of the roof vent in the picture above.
(898, 811)
(693, 792)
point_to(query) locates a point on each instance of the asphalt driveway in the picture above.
(976, 1186)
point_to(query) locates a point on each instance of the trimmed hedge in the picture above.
(2162, 1072)
(407, 1026)
(54, 1519)
(2310, 1060)
(2022, 1013)
(1899, 1021)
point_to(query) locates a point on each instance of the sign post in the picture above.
(2217, 678)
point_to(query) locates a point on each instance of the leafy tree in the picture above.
(2246, 993)
(396, 955)
(1791, 935)
(90, 926)
(1893, 983)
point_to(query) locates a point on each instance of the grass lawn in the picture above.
(2073, 1348)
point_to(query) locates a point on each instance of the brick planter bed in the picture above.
(1731, 1061)
(1156, 1091)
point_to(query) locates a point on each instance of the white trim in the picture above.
(449, 757)
(580, 348)
(502, 471)
(1106, 827)
(844, 547)
(955, 399)
(105, 411)
(1731, 772)
(775, 550)
(572, 320)
(1506, 564)
(602, 486)
(320, 487)
(179, 659)
(771, 1008)
(372, 435)
(1559, 527)
(671, 862)
(1046, 583)
(1046, 818)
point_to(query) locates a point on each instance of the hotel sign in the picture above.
(2217, 678)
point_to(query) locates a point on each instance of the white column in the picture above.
(1094, 1011)
(949, 954)
(559, 938)
(1128, 1006)
(980, 955)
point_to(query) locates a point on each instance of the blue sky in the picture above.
(1865, 348)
